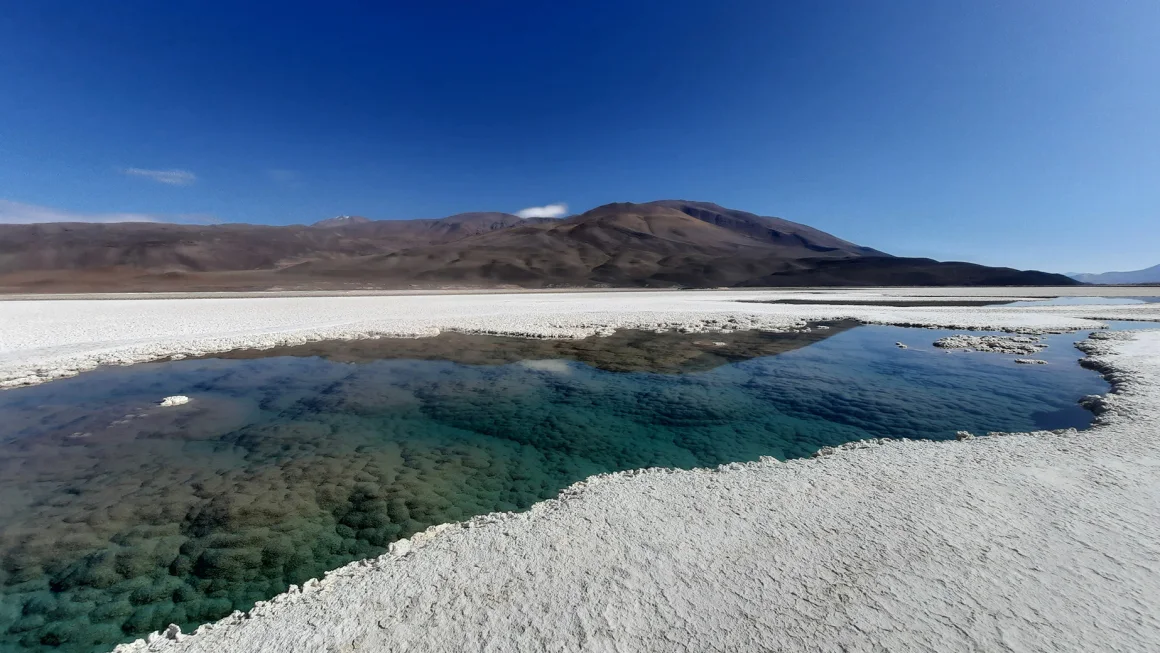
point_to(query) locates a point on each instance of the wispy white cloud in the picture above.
(171, 177)
(549, 211)
(21, 213)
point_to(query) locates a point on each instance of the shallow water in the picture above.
(1129, 325)
(118, 517)
(1085, 301)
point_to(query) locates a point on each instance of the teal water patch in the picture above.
(119, 517)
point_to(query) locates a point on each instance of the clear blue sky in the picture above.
(1013, 132)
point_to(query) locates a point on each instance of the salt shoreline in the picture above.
(41, 340)
(1036, 541)
(1041, 541)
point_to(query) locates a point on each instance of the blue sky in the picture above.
(1016, 132)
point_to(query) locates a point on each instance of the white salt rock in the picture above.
(399, 547)
(175, 400)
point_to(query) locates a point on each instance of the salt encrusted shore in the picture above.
(1046, 541)
(46, 339)
(1022, 542)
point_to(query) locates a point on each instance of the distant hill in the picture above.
(152, 247)
(1147, 275)
(668, 243)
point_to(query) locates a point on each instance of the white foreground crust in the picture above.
(1023, 542)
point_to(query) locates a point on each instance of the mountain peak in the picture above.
(341, 221)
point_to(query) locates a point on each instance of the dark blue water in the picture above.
(118, 517)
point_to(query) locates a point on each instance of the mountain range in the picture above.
(1147, 275)
(667, 243)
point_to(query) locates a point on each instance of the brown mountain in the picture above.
(616, 245)
(153, 247)
(397, 234)
(767, 229)
(657, 244)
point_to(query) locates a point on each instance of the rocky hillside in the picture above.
(668, 243)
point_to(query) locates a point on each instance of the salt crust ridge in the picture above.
(1040, 541)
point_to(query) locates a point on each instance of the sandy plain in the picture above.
(1012, 542)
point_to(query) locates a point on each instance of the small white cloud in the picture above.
(20, 213)
(171, 177)
(549, 211)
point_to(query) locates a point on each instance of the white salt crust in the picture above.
(46, 339)
(1022, 542)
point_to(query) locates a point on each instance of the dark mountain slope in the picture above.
(898, 271)
(768, 229)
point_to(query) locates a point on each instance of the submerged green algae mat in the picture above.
(118, 517)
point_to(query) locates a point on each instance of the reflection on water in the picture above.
(623, 351)
(118, 517)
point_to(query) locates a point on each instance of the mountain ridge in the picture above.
(1146, 275)
(341, 221)
(665, 243)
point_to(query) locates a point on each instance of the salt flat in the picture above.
(1021, 542)
(45, 339)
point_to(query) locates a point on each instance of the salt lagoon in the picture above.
(711, 504)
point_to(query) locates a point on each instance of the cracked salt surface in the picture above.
(1025, 542)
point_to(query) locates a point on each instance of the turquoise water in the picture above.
(118, 517)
